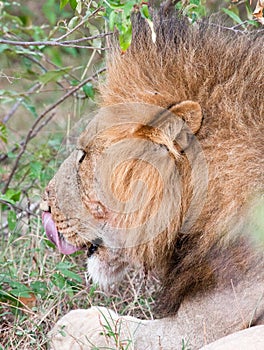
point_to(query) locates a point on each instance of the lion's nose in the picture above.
(44, 206)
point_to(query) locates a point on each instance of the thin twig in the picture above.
(48, 43)
(245, 31)
(88, 65)
(58, 67)
(26, 309)
(79, 25)
(18, 103)
(16, 207)
(30, 91)
(43, 68)
(32, 131)
(23, 213)
(76, 41)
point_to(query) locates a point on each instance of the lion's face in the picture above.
(118, 194)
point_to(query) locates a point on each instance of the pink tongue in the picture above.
(53, 236)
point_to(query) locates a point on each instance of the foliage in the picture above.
(38, 285)
(52, 55)
(117, 15)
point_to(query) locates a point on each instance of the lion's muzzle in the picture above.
(55, 237)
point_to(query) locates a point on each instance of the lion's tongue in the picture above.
(53, 235)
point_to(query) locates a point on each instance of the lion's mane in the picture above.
(218, 73)
(222, 69)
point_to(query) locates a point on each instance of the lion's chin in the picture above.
(104, 273)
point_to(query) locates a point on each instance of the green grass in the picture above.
(38, 286)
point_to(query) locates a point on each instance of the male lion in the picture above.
(168, 175)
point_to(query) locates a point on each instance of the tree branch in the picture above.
(69, 43)
(22, 211)
(79, 25)
(18, 103)
(34, 130)
(58, 42)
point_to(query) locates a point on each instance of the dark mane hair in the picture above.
(201, 62)
(222, 70)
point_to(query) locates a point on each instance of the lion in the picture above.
(168, 176)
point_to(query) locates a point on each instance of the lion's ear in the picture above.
(180, 123)
(190, 112)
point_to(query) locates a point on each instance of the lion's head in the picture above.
(157, 180)
(118, 195)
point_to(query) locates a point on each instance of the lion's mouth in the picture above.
(94, 247)
(55, 237)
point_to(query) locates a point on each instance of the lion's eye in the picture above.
(80, 156)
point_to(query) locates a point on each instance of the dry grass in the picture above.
(28, 259)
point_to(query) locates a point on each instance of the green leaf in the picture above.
(8, 93)
(11, 220)
(29, 75)
(4, 199)
(125, 38)
(3, 47)
(64, 268)
(112, 20)
(4, 296)
(128, 7)
(30, 108)
(73, 22)
(95, 5)
(95, 31)
(73, 4)
(39, 287)
(49, 10)
(64, 265)
(195, 2)
(249, 10)
(144, 11)
(92, 290)
(11, 195)
(12, 19)
(63, 3)
(58, 280)
(79, 6)
(253, 23)
(71, 275)
(35, 170)
(89, 90)
(54, 75)
(55, 55)
(3, 132)
(232, 15)
(20, 290)
(71, 51)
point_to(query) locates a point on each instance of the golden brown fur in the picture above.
(223, 71)
(212, 78)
